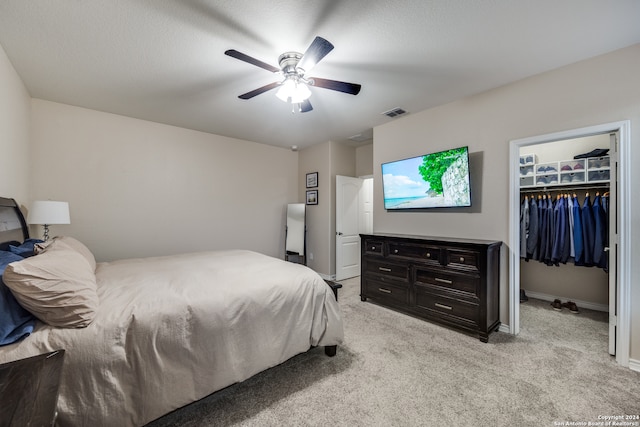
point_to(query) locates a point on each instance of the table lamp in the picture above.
(47, 212)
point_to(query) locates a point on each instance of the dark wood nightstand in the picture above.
(334, 287)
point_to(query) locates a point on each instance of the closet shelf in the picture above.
(565, 188)
(565, 172)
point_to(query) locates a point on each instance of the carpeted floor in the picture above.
(395, 370)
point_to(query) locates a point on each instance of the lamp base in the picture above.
(45, 237)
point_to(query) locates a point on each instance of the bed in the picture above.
(167, 331)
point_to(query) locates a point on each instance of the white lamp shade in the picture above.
(294, 90)
(49, 212)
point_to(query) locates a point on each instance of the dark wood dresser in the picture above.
(453, 282)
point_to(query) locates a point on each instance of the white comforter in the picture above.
(171, 330)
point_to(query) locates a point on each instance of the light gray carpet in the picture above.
(396, 370)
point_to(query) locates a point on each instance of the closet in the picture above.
(551, 175)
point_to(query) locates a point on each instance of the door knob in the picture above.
(339, 233)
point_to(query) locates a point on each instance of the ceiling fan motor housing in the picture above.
(288, 62)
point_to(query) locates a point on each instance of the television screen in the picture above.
(436, 180)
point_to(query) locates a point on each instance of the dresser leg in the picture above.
(330, 350)
(363, 298)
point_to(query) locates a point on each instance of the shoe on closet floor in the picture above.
(557, 305)
(571, 306)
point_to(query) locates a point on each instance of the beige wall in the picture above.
(317, 158)
(139, 188)
(364, 160)
(15, 107)
(600, 90)
(328, 159)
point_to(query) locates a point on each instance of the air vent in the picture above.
(395, 112)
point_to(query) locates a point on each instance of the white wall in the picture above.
(139, 188)
(601, 90)
(15, 107)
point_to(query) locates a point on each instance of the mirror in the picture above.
(295, 233)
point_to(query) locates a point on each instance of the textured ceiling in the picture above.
(164, 60)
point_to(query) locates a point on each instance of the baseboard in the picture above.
(504, 328)
(581, 304)
(634, 365)
(328, 276)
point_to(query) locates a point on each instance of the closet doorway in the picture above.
(618, 277)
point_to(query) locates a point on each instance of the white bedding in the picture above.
(171, 330)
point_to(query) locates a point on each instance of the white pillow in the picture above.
(71, 243)
(57, 286)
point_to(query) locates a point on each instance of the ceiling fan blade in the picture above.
(260, 90)
(318, 49)
(253, 61)
(305, 106)
(350, 88)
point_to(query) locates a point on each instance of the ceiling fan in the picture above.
(294, 87)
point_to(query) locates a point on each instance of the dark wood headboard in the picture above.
(13, 227)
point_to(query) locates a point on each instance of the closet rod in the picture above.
(562, 188)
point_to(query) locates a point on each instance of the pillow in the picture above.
(16, 323)
(26, 249)
(70, 242)
(57, 286)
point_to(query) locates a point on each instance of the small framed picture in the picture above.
(312, 180)
(312, 197)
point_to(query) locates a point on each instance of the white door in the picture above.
(366, 216)
(349, 208)
(613, 243)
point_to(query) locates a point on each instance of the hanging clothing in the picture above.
(605, 199)
(588, 230)
(568, 237)
(559, 238)
(577, 232)
(551, 232)
(555, 231)
(599, 243)
(532, 237)
(572, 246)
(524, 226)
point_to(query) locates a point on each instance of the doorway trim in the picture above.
(624, 211)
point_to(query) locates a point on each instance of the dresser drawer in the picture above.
(442, 305)
(373, 247)
(458, 282)
(389, 292)
(420, 253)
(463, 259)
(388, 269)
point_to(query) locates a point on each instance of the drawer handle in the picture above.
(395, 251)
(388, 270)
(461, 259)
(448, 282)
(373, 248)
(428, 255)
(446, 307)
(386, 291)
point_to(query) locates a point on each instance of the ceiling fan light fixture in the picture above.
(294, 91)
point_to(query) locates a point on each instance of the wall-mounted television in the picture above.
(435, 180)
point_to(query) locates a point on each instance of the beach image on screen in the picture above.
(430, 181)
